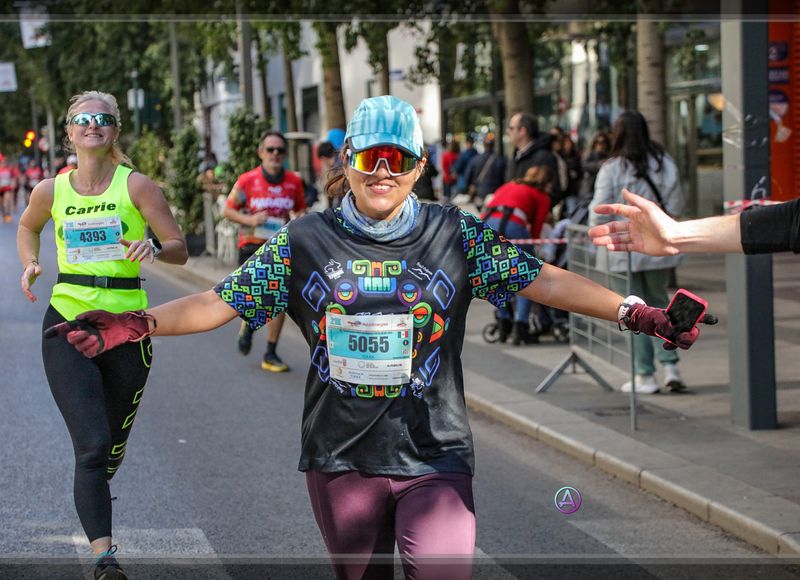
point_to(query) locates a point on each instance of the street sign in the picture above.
(8, 77)
(135, 102)
(31, 24)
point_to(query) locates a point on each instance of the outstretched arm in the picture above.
(569, 291)
(97, 331)
(650, 231)
(191, 314)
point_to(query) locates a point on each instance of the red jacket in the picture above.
(448, 159)
(532, 202)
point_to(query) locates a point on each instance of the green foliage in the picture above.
(692, 63)
(148, 153)
(183, 193)
(244, 129)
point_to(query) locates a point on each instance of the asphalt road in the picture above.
(210, 481)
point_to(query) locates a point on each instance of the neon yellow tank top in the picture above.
(71, 299)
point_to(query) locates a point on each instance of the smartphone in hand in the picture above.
(684, 312)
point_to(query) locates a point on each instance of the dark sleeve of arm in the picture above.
(774, 228)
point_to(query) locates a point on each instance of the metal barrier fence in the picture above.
(593, 341)
(221, 234)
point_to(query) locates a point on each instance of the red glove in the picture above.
(640, 317)
(97, 331)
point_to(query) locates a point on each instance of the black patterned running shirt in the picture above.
(317, 264)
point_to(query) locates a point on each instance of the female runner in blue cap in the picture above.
(380, 288)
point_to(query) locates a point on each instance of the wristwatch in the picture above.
(155, 245)
(625, 307)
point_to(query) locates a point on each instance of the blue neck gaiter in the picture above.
(381, 230)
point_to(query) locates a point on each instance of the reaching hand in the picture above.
(655, 322)
(138, 250)
(29, 275)
(648, 229)
(97, 331)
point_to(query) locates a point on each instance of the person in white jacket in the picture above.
(642, 166)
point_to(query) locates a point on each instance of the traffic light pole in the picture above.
(746, 161)
(35, 126)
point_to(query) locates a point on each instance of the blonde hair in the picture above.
(538, 176)
(117, 156)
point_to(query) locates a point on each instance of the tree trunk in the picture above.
(328, 46)
(650, 71)
(262, 62)
(291, 106)
(515, 49)
(385, 82)
(244, 38)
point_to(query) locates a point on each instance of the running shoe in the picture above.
(245, 339)
(645, 385)
(672, 378)
(7, 218)
(107, 567)
(273, 363)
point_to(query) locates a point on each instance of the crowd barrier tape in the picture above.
(739, 205)
(532, 241)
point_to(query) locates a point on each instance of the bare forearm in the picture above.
(719, 234)
(174, 251)
(191, 314)
(27, 245)
(568, 291)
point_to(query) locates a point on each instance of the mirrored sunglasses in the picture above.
(397, 161)
(102, 119)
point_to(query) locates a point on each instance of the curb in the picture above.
(768, 538)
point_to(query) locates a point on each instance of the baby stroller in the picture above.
(545, 322)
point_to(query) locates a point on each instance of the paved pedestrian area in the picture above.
(685, 449)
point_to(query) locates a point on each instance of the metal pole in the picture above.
(177, 117)
(51, 136)
(136, 118)
(746, 175)
(634, 418)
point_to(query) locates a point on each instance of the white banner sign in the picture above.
(31, 22)
(8, 77)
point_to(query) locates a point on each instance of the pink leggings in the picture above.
(432, 518)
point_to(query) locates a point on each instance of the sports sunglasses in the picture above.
(397, 161)
(102, 119)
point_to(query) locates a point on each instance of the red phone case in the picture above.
(692, 297)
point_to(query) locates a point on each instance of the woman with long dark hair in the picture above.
(641, 165)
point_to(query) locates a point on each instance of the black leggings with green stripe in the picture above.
(98, 399)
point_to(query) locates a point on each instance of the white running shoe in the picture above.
(645, 384)
(672, 378)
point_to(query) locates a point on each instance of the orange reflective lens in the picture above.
(397, 161)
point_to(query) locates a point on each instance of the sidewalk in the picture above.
(685, 450)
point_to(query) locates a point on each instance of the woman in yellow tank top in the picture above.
(100, 212)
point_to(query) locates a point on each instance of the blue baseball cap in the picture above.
(336, 138)
(385, 120)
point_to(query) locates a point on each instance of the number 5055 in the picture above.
(368, 343)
